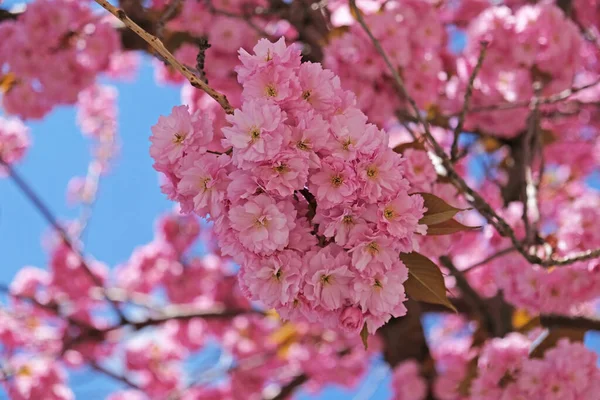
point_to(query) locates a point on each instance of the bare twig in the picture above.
(471, 296)
(467, 102)
(288, 389)
(555, 98)
(488, 259)
(114, 375)
(168, 14)
(189, 314)
(159, 47)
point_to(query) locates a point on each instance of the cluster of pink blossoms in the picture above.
(504, 371)
(38, 378)
(53, 51)
(528, 44)
(14, 141)
(309, 200)
(415, 40)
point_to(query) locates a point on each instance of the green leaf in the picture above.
(417, 145)
(364, 335)
(551, 336)
(425, 281)
(448, 227)
(438, 210)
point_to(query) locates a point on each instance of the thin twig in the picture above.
(189, 314)
(555, 98)
(288, 389)
(49, 217)
(114, 375)
(471, 296)
(467, 102)
(168, 14)
(488, 259)
(160, 48)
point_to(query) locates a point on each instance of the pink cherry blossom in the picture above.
(263, 225)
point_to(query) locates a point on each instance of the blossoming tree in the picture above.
(351, 167)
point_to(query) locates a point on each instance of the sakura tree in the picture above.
(351, 169)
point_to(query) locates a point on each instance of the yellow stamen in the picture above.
(337, 181)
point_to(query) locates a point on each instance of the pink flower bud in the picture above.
(351, 319)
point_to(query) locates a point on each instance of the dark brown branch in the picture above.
(560, 321)
(311, 23)
(114, 375)
(472, 298)
(6, 15)
(289, 389)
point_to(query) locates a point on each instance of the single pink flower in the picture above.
(263, 225)
(171, 136)
(256, 133)
(334, 184)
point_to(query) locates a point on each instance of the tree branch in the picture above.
(49, 217)
(488, 259)
(114, 375)
(189, 314)
(561, 321)
(160, 48)
(471, 296)
(288, 389)
(467, 102)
